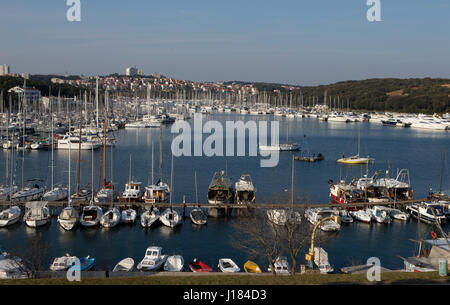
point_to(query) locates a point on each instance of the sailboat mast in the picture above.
(52, 140)
(152, 164)
(160, 153)
(104, 150)
(79, 157)
(96, 98)
(70, 152)
(129, 175)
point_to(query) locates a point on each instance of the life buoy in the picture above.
(434, 235)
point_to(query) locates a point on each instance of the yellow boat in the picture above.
(354, 160)
(251, 267)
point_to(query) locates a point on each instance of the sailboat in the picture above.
(356, 159)
(68, 218)
(197, 215)
(37, 213)
(108, 192)
(282, 147)
(56, 193)
(159, 192)
(170, 217)
(10, 216)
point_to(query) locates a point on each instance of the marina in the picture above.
(136, 157)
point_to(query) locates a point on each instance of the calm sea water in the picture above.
(419, 151)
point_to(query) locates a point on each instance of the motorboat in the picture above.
(125, 265)
(379, 214)
(58, 193)
(344, 215)
(111, 218)
(10, 216)
(227, 265)
(12, 267)
(280, 147)
(399, 215)
(157, 193)
(133, 192)
(281, 265)
(245, 190)
(86, 263)
(427, 212)
(174, 263)
(153, 259)
(199, 266)
(150, 217)
(73, 142)
(128, 216)
(362, 215)
(68, 218)
(251, 267)
(321, 260)
(283, 216)
(63, 263)
(315, 215)
(198, 216)
(170, 218)
(36, 214)
(91, 215)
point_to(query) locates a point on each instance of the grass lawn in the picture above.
(308, 279)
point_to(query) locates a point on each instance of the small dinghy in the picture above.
(128, 216)
(251, 267)
(110, 219)
(150, 217)
(10, 216)
(198, 266)
(198, 216)
(170, 218)
(174, 263)
(227, 265)
(86, 263)
(125, 265)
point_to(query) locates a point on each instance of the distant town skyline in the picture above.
(289, 42)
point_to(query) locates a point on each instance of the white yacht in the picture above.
(72, 142)
(10, 216)
(245, 190)
(133, 192)
(68, 218)
(36, 214)
(362, 215)
(379, 214)
(111, 218)
(63, 263)
(57, 193)
(153, 259)
(156, 193)
(28, 193)
(427, 212)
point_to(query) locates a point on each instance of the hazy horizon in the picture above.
(302, 43)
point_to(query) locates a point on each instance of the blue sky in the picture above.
(296, 42)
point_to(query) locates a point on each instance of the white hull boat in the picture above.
(174, 263)
(128, 216)
(37, 214)
(125, 265)
(56, 194)
(63, 263)
(227, 265)
(362, 215)
(111, 218)
(68, 218)
(399, 215)
(170, 218)
(153, 259)
(10, 216)
(198, 217)
(150, 217)
(91, 216)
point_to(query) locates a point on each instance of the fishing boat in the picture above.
(362, 215)
(281, 265)
(227, 265)
(111, 218)
(133, 190)
(251, 267)
(174, 263)
(150, 217)
(317, 214)
(220, 189)
(343, 193)
(128, 216)
(153, 259)
(125, 265)
(245, 190)
(36, 214)
(199, 266)
(86, 263)
(91, 215)
(427, 212)
(10, 216)
(63, 263)
(198, 216)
